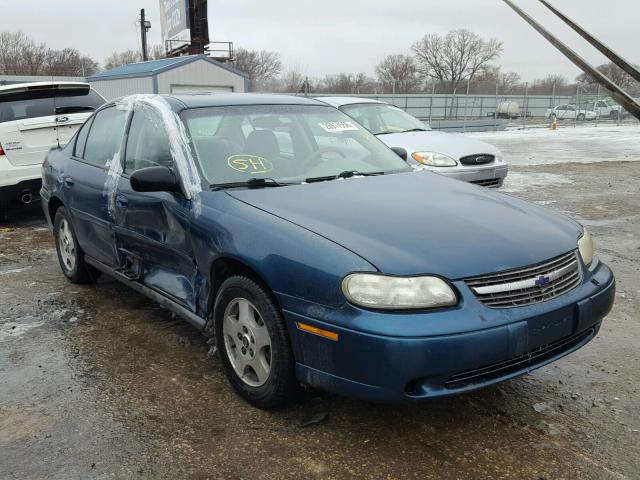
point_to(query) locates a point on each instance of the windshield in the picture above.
(380, 118)
(283, 143)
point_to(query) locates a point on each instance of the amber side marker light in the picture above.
(317, 331)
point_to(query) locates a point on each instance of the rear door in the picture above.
(34, 119)
(87, 192)
(152, 229)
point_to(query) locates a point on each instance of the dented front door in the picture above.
(152, 237)
(152, 230)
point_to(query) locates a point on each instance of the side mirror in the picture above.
(155, 179)
(401, 152)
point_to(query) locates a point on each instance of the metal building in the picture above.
(187, 74)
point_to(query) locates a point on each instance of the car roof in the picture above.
(340, 101)
(230, 99)
(22, 86)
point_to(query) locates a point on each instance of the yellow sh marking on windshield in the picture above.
(250, 164)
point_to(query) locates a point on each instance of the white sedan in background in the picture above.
(570, 112)
(448, 154)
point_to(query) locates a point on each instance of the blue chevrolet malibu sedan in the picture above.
(313, 254)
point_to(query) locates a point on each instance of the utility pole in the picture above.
(145, 26)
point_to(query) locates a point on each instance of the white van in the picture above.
(34, 117)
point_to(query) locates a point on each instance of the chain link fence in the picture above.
(587, 105)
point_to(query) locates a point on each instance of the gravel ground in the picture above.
(98, 382)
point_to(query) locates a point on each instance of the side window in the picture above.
(81, 139)
(105, 136)
(148, 144)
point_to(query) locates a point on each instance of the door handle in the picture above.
(68, 181)
(121, 201)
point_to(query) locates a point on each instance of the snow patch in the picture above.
(517, 182)
(568, 144)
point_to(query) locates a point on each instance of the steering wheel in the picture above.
(320, 151)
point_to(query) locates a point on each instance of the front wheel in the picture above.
(70, 254)
(253, 343)
(581, 117)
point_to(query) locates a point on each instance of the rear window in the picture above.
(45, 103)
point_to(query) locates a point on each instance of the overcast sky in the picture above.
(332, 36)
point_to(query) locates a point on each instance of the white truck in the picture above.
(34, 117)
(607, 108)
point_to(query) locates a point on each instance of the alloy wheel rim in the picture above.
(247, 342)
(67, 246)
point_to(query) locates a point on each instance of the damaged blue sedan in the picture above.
(313, 254)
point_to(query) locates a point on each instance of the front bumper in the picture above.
(383, 367)
(489, 175)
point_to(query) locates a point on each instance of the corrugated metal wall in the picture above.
(200, 73)
(111, 89)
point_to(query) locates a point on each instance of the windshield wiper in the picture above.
(386, 133)
(345, 174)
(253, 183)
(404, 131)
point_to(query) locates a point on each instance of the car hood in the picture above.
(454, 145)
(422, 223)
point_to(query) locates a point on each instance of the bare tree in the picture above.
(156, 52)
(398, 73)
(117, 59)
(69, 61)
(348, 83)
(614, 73)
(260, 65)
(491, 77)
(508, 82)
(19, 55)
(456, 57)
(551, 83)
(291, 82)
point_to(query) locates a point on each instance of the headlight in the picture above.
(402, 293)
(499, 156)
(585, 247)
(434, 159)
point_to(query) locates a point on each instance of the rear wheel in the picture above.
(253, 343)
(581, 117)
(70, 254)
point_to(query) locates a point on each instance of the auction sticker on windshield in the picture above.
(333, 127)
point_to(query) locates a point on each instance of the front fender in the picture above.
(302, 268)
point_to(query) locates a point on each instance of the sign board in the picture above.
(174, 20)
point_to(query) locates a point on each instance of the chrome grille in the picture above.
(489, 182)
(524, 286)
(478, 159)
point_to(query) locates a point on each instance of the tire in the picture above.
(70, 254)
(581, 117)
(253, 343)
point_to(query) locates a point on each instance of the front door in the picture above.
(152, 229)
